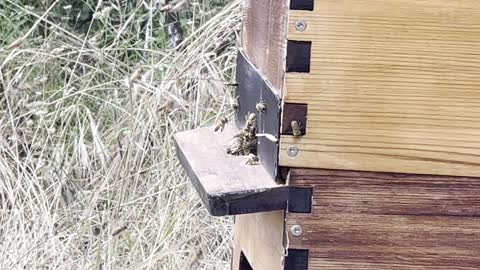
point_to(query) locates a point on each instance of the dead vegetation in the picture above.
(88, 173)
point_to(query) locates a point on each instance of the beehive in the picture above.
(385, 171)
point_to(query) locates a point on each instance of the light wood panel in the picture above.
(365, 220)
(394, 86)
(260, 237)
(264, 37)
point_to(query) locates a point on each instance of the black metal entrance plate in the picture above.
(252, 89)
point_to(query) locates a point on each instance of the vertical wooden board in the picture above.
(277, 42)
(264, 37)
(260, 237)
(363, 220)
(393, 86)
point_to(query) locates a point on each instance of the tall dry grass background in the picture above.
(88, 173)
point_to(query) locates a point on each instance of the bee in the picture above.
(175, 7)
(166, 8)
(251, 122)
(296, 128)
(136, 75)
(249, 144)
(16, 43)
(167, 106)
(245, 141)
(119, 231)
(252, 160)
(235, 147)
(221, 124)
(235, 104)
(261, 106)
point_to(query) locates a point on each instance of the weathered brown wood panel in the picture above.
(264, 37)
(394, 86)
(260, 237)
(363, 220)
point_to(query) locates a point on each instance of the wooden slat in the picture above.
(225, 183)
(260, 238)
(394, 86)
(264, 37)
(365, 220)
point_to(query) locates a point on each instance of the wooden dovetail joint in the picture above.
(294, 120)
(300, 200)
(299, 56)
(302, 5)
(296, 259)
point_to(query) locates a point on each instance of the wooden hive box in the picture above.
(385, 170)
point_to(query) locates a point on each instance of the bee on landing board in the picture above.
(252, 160)
(296, 128)
(221, 124)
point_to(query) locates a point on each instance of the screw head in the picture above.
(292, 151)
(296, 230)
(301, 25)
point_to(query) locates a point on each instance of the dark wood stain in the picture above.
(264, 37)
(299, 56)
(296, 259)
(367, 220)
(301, 4)
(294, 112)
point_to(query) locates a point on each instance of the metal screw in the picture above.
(300, 25)
(292, 151)
(296, 230)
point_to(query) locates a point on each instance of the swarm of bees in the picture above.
(296, 128)
(245, 142)
(221, 124)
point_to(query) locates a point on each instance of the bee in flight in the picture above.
(296, 128)
(221, 124)
(234, 103)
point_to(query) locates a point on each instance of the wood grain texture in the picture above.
(260, 237)
(363, 220)
(264, 37)
(394, 86)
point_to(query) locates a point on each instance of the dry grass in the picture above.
(88, 173)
